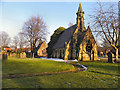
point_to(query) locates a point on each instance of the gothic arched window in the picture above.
(89, 46)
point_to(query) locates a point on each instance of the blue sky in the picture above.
(55, 14)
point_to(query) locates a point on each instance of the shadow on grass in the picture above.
(103, 73)
(27, 84)
(113, 67)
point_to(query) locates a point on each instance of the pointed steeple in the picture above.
(80, 8)
(80, 18)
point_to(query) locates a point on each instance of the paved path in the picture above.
(106, 59)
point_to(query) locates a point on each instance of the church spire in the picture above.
(80, 8)
(80, 18)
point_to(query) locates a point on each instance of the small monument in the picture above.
(23, 55)
(4, 56)
(109, 57)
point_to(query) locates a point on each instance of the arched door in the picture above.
(89, 48)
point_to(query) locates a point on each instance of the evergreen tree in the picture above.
(54, 39)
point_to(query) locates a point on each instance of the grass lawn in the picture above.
(98, 75)
(28, 65)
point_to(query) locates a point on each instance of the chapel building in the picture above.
(76, 42)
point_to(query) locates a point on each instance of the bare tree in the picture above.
(35, 30)
(106, 21)
(70, 24)
(22, 41)
(15, 42)
(4, 38)
(105, 44)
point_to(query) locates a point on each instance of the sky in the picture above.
(55, 14)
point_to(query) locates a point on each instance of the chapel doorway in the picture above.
(89, 49)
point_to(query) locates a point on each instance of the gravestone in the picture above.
(109, 57)
(23, 55)
(4, 56)
(13, 54)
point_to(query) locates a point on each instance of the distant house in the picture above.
(41, 49)
(6, 49)
(101, 51)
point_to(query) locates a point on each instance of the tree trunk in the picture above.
(15, 50)
(33, 55)
(117, 54)
(31, 50)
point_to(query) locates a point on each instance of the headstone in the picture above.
(28, 54)
(17, 55)
(23, 55)
(4, 56)
(109, 57)
(13, 54)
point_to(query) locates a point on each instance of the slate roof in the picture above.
(38, 47)
(65, 37)
(67, 34)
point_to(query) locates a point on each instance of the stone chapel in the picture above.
(76, 42)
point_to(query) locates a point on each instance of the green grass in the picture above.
(100, 67)
(27, 65)
(98, 75)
